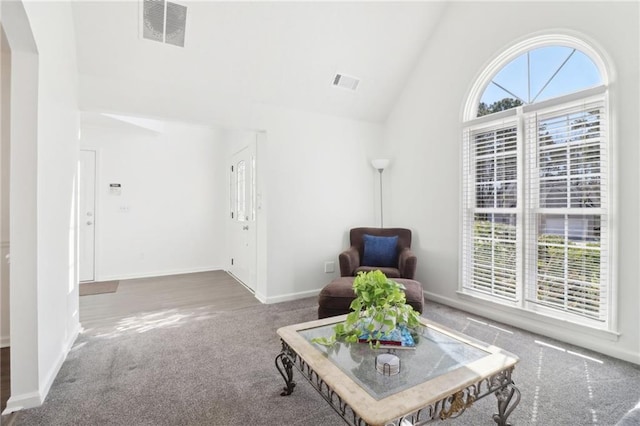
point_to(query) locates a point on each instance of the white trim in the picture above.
(23, 402)
(571, 99)
(565, 331)
(575, 98)
(261, 297)
(35, 399)
(612, 191)
(5, 341)
(290, 296)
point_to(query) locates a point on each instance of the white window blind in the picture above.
(567, 202)
(491, 215)
(536, 208)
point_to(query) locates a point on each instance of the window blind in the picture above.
(491, 248)
(566, 205)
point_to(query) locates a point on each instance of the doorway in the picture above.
(242, 216)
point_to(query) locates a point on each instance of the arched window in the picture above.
(537, 75)
(536, 185)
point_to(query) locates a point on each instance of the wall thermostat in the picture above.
(115, 189)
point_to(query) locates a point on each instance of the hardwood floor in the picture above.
(213, 290)
(5, 377)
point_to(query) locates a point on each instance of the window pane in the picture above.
(494, 254)
(569, 145)
(496, 168)
(578, 73)
(569, 263)
(585, 192)
(553, 193)
(537, 75)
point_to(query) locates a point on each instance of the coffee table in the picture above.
(439, 379)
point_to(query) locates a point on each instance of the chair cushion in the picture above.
(389, 272)
(380, 251)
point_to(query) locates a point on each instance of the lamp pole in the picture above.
(380, 165)
(381, 209)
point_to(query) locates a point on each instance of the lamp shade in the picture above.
(380, 163)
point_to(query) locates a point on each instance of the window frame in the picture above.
(519, 115)
(591, 96)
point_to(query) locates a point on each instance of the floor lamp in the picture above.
(380, 164)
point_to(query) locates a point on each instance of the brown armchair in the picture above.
(351, 260)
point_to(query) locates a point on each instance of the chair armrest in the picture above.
(407, 263)
(349, 261)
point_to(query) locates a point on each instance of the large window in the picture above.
(536, 187)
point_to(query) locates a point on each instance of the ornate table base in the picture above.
(452, 406)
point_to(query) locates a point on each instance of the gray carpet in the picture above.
(208, 368)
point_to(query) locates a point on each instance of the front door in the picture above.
(242, 216)
(87, 179)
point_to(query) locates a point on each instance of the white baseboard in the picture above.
(290, 296)
(36, 398)
(23, 402)
(5, 341)
(595, 340)
(261, 297)
(158, 273)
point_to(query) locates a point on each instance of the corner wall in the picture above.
(425, 131)
(44, 145)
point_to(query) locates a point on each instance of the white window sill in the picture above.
(531, 320)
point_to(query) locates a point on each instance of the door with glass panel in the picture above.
(242, 216)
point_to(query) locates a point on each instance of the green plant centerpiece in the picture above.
(379, 307)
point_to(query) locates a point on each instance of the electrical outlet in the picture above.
(329, 267)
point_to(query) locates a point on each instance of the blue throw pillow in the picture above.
(380, 251)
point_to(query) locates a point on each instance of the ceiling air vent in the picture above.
(345, 82)
(164, 21)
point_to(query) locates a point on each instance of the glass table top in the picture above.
(436, 353)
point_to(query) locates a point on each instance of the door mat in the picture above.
(87, 289)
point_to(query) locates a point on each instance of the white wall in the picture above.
(424, 132)
(314, 173)
(44, 145)
(319, 184)
(58, 125)
(169, 216)
(5, 76)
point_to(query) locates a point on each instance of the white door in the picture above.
(242, 216)
(87, 201)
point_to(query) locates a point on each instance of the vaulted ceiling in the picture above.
(278, 53)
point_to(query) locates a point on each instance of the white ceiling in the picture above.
(284, 54)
